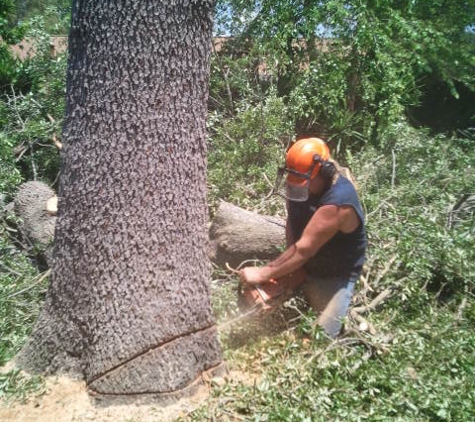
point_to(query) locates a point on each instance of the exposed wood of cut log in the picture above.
(237, 235)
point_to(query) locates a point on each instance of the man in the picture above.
(325, 234)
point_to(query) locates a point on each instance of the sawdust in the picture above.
(67, 400)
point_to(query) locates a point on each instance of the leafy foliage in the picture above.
(419, 363)
(19, 387)
(351, 68)
(32, 114)
(55, 13)
(9, 174)
(423, 371)
(407, 203)
(9, 34)
(354, 91)
(245, 150)
(21, 293)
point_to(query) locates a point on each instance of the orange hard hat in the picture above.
(306, 155)
(303, 162)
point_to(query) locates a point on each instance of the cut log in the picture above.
(237, 235)
(34, 203)
(52, 205)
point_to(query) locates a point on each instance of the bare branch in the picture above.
(374, 303)
(58, 144)
(34, 283)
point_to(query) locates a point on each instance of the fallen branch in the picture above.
(393, 174)
(35, 283)
(347, 341)
(374, 303)
(57, 143)
(10, 270)
(272, 186)
(228, 267)
(461, 308)
(385, 270)
(364, 325)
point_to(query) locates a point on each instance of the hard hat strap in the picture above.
(281, 171)
(316, 160)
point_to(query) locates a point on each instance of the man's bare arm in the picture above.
(323, 225)
(289, 235)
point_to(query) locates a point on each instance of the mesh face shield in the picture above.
(293, 187)
(296, 188)
(303, 162)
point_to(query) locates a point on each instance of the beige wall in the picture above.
(59, 44)
(27, 49)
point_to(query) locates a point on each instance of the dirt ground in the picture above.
(66, 400)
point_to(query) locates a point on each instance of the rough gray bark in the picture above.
(238, 235)
(128, 306)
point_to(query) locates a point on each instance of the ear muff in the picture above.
(327, 168)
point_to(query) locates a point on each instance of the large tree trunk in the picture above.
(128, 306)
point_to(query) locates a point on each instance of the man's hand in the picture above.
(252, 276)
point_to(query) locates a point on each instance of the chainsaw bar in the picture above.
(260, 308)
(251, 312)
(265, 298)
(257, 310)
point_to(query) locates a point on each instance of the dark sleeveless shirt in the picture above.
(343, 254)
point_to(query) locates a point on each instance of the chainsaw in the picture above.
(262, 299)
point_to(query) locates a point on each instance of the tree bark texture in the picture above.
(129, 306)
(30, 204)
(239, 235)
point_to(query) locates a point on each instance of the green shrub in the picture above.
(10, 176)
(419, 364)
(245, 150)
(407, 195)
(22, 292)
(16, 386)
(33, 113)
